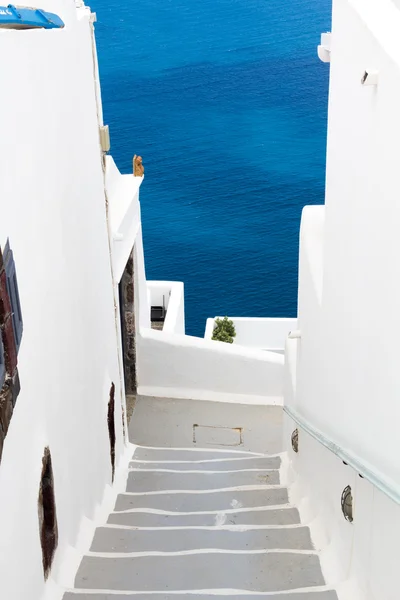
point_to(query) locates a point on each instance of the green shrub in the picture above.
(224, 330)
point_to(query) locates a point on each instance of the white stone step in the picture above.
(111, 539)
(252, 516)
(211, 463)
(153, 481)
(259, 571)
(215, 501)
(194, 454)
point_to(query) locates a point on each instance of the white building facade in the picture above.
(341, 386)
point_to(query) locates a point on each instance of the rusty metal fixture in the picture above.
(347, 504)
(295, 440)
(47, 514)
(111, 428)
(138, 168)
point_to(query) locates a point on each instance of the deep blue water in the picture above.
(226, 100)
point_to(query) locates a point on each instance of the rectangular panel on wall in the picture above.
(12, 287)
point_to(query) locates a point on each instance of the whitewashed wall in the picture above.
(173, 365)
(342, 376)
(175, 319)
(169, 294)
(123, 213)
(359, 559)
(159, 293)
(360, 319)
(52, 207)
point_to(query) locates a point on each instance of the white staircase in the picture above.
(204, 520)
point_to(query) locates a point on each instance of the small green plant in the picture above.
(224, 330)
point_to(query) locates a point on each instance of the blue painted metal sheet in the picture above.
(22, 17)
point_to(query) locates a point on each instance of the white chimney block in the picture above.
(370, 77)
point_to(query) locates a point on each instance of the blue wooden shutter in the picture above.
(12, 288)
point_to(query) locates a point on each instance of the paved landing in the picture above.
(202, 516)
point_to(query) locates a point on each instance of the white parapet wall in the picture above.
(259, 333)
(181, 366)
(171, 364)
(123, 213)
(169, 294)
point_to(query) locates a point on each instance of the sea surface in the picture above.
(226, 100)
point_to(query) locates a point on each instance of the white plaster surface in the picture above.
(324, 49)
(358, 558)
(347, 362)
(171, 295)
(123, 212)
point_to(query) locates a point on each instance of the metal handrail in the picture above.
(386, 485)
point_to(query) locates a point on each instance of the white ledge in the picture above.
(169, 294)
(262, 333)
(123, 213)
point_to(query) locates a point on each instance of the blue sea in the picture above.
(226, 100)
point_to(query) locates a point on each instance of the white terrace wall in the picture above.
(52, 207)
(343, 376)
(257, 332)
(181, 366)
(173, 365)
(171, 295)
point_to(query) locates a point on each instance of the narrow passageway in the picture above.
(203, 514)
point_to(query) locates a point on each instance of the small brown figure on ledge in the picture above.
(138, 168)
